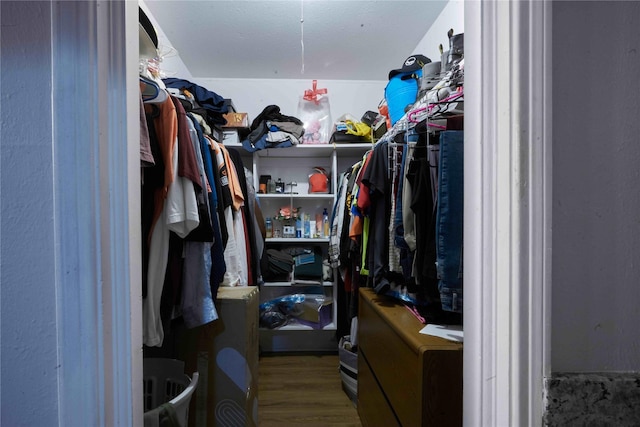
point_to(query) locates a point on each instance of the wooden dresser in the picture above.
(404, 378)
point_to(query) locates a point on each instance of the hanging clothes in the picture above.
(376, 180)
(178, 213)
(248, 215)
(183, 253)
(449, 221)
(197, 300)
(391, 204)
(166, 128)
(214, 192)
(232, 276)
(146, 155)
(422, 205)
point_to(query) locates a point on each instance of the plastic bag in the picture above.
(315, 113)
(308, 309)
(349, 125)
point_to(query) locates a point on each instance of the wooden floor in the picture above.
(303, 390)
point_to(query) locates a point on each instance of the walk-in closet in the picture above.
(549, 220)
(302, 213)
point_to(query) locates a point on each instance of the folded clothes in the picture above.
(311, 269)
(287, 130)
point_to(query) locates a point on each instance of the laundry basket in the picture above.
(166, 383)
(348, 368)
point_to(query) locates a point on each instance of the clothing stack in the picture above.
(272, 129)
(279, 265)
(199, 100)
(308, 266)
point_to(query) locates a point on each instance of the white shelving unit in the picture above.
(297, 240)
(293, 165)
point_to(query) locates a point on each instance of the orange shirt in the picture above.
(166, 126)
(234, 182)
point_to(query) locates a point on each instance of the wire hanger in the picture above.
(411, 117)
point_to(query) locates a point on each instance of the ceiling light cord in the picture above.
(302, 34)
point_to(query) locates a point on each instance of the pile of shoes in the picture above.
(442, 82)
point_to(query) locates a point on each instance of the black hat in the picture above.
(146, 24)
(148, 36)
(412, 63)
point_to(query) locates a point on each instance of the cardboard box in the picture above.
(316, 312)
(236, 120)
(232, 360)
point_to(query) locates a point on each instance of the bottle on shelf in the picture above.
(312, 228)
(288, 228)
(318, 232)
(307, 229)
(269, 227)
(299, 227)
(325, 223)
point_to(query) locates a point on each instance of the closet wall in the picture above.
(346, 96)
(29, 360)
(595, 272)
(596, 201)
(252, 95)
(352, 96)
(452, 16)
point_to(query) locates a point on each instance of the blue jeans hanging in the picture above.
(449, 220)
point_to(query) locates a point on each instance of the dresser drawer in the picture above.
(373, 408)
(395, 364)
(420, 375)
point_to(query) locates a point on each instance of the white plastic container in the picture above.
(348, 368)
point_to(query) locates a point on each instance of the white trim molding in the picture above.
(507, 211)
(96, 176)
(133, 202)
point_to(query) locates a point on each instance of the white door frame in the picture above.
(96, 174)
(507, 216)
(507, 211)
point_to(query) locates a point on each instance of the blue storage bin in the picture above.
(402, 90)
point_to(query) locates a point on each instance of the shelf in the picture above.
(295, 196)
(294, 285)
(233, 145)
(355, 149)
(298, 340)
(293, 165)
(300, 327)
(316, 150)
(309, 150)
(296, 240)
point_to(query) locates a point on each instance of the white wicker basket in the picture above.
(167, 389)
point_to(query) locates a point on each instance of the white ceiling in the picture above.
(343, 40)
